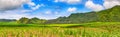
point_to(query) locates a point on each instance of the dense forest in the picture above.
(108, 15)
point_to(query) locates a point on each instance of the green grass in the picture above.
(95, 29)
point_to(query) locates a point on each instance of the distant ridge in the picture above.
(7, 20)
(108, 15)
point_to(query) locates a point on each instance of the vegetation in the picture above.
(23, 20)
(95, 29)
(109, 15)
(105, 23)
(34, 20)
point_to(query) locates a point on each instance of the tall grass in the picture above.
(97, 29)
(57, 32)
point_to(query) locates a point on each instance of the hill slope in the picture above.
(108, 15)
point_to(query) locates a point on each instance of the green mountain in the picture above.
(108, 15)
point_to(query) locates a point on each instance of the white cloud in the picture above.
(11, 4)
(96, 7)
(73, 1)
(73, 9)
(24, 11)
(13, 14)
(55, 0)
(111, 3)
(31, 4)
(12, 9)
(36, 7)
(48, 12)
(69, 1)
(56, 12)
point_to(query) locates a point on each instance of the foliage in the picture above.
(109, 15)
(23, 20)
(34, 20)
(95, 29)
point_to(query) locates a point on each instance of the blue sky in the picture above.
(51, 9)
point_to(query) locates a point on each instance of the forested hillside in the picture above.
(108, 15)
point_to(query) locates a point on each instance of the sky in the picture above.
(51, 9)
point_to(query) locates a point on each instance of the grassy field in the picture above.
(96, 29)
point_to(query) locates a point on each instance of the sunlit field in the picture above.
(59, 18)
(97, 29)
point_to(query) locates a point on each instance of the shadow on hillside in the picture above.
(74, 26)
(15, 25)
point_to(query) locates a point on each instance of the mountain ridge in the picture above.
(108, 15)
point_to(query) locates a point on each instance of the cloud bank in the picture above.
(69, 1)
(12, 4)
(71, 9)
(111, 3)
(13, 9)
(96, 7)
(106, 5)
